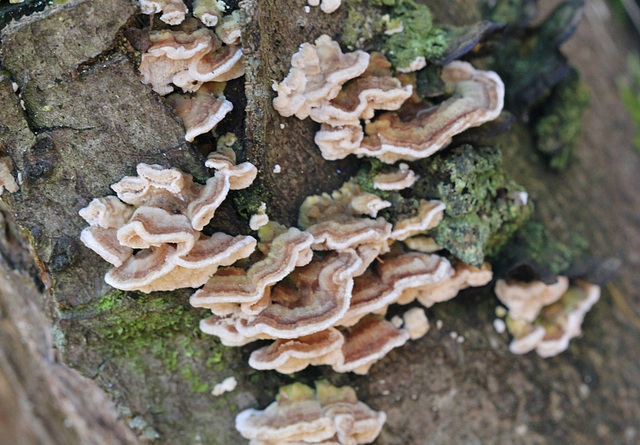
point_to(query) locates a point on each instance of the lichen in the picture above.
(367, 21)
(558, 122)
(483, 206)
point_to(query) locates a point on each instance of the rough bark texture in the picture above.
(87, 121)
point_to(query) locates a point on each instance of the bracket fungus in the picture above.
(7, 180)
(545, 317)
(209, 12)
(173, 11)
(399, 179)
(201, 112)
(300, 415)
(327, 6)
(170, 211)
(316, 76)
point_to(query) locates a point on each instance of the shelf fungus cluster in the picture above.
(151, 232)
(300, 415)
(545, 317)
(339, 90)
(320, 294)
(196, 60)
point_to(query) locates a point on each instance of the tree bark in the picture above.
(81, 120)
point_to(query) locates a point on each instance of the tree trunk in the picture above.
(81, 120)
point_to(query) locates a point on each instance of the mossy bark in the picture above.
(87, 121)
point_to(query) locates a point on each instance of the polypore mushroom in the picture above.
(525, 300)
(375, 89)
(416, 323)
(399, 179)
(173, 11)
(478, 97)
(293, 355)
(316, 76)
(556, 324)
(287, 250)
(383, 284)
(171, 211)
(461, 277)
(301, 415)
(429, 215)
(230, 30)
(202, 112)
(367, 342)
(208, 11)
(167, 59)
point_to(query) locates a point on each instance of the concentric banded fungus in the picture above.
(187, 59)
(462, 276)
(525, 300)
(208, 11)
(230, 30)
(300, 415)
(375, 89)
(311, 299)
(399, 179)
(316, 76)
(293, 355)
(287, 251)
(478, 98)
(173, 11)
(327, 6)
(429, 215)
(547, 327)
(383, 284)
(171, 210)
(202, 112)
(367, 342)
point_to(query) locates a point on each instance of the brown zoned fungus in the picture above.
(173, 11)
(478, 97)
(320, 294)
(545, 317)
(300, 415)
(162, 211)
(195, 61)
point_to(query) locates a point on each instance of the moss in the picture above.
(559, 120)
(483, 206)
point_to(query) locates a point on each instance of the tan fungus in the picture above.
(173, 11)
(316, 76)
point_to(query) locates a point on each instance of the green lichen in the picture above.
(559, 120)
(419, 38)
(483, 206)
(367, 22)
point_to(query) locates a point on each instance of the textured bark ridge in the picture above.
(87, 121)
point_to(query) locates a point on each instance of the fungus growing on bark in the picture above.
(399, 179)
(187, 59)
(259, 219)
(546, 317)
(525, 300)
(287, 251)
(416, 323)
(368, 341)
(478, 98)
(374, 89)
(170, 211)
(173, 11)
(316, 76)
(461, 277)
(230, 30)
(202, 112)
(209, 11)
(301, 415)
(429, 215)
